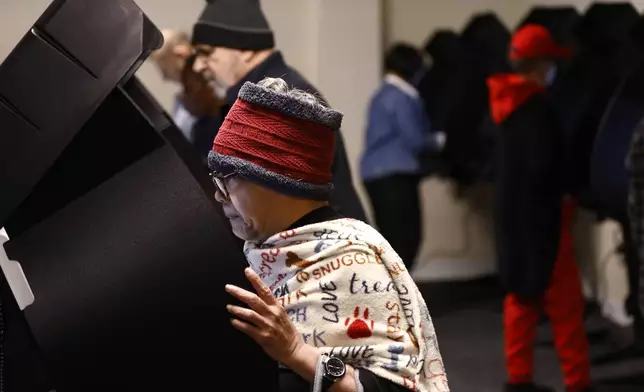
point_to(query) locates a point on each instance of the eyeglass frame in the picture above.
(219, 180)
(199, 52)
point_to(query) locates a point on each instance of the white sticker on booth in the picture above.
(15, 276)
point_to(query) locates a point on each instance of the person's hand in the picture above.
(266, 322)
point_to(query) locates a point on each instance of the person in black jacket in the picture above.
(534, 216)
(235, 44)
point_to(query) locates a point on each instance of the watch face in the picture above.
(335, 367)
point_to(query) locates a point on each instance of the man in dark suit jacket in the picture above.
(234, 44)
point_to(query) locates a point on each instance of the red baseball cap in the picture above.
(533, 40)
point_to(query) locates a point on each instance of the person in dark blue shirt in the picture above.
(398, 132)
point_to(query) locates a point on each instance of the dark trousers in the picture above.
(396, 209)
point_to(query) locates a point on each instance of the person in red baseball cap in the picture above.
(534, 216)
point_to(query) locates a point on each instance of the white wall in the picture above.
(349, 66)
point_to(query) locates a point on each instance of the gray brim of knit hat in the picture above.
(290, 106)
(277, 182)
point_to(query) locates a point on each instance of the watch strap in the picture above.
(326, 384)
(319, 375)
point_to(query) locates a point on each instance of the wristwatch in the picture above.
(333, 369)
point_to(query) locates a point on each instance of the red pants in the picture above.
(563, 303)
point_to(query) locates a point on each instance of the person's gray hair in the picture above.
(274, 94)
(279, 85)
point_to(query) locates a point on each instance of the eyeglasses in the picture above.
(201, 51)
(220, 182)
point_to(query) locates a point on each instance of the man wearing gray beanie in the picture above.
(234, 45)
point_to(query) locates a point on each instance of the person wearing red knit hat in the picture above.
(534, 215)
(333, 302)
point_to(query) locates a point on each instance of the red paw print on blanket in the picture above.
(359, 328)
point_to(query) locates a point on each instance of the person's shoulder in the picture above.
(390, 97)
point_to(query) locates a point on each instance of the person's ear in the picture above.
(182, 50)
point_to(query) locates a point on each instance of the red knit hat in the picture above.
(278, 140)
(532, 41)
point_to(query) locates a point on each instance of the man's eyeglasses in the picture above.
(201, 51)
(220, 182)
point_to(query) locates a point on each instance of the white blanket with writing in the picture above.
(348, 294)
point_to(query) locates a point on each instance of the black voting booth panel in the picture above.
(111, 217)
(488, 38)
(637, 34)
(609, 177)
(583, 90)
(31, 106)
(606, 20)
(456, 94)
(449, 56)
(439, 88)
(445, 90)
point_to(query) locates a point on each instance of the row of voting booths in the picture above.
(110, 215)
(595, 93)
(599, 95)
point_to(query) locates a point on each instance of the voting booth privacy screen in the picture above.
(112, 218)
(596, 93)
(455, 92)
